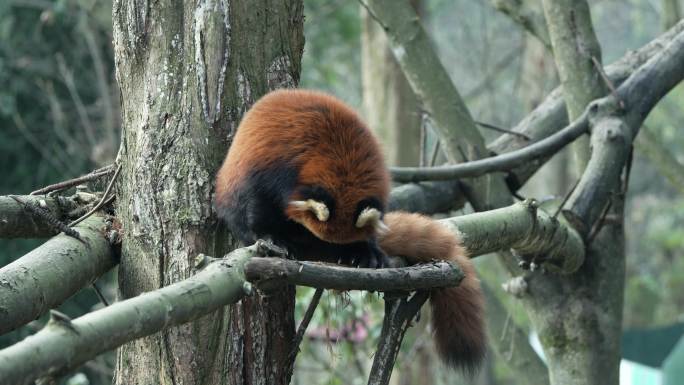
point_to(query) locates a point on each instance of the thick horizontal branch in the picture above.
(427, 197)
(63, 345)
(18, 222)
(326, 276)
(525, 229)
(48, 275)
(504, 162)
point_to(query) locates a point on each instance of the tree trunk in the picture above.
(187, 71)
(579, 317)
(391, 108)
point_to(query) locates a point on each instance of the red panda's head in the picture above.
(340, 205)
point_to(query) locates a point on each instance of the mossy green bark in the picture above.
(51, 273)
(187, 71)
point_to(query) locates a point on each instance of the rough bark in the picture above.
(390, 106)
(45, 277)
(64, 344)
(187, 72)
(19, 222)
(524, 228)
(584, 346)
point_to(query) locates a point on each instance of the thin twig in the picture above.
(435, 152)
(95, 174)
(502, 162)
(504, 130)
(102, 202)
(628, 170)
(99, 295)
(68, 78)
(308, 315)
(423, 139)
(599, 224)
(565, 199)
(608, 82)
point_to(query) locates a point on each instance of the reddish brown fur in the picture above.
(331, 147)
(458, 313)
(327, 140)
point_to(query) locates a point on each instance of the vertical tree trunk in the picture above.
(574, 48)
(187, 71)
(391, 108)
(579, 317)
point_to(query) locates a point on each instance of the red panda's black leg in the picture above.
(377, 258)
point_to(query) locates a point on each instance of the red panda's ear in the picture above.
(318, 208)
(372, 216)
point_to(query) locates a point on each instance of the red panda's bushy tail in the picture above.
(458, 312)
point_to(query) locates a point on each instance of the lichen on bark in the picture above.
(186, 79)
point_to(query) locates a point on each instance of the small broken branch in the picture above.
(105, 199)
(96, 174)
(308, 315)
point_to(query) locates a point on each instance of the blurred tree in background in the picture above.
(59, 118)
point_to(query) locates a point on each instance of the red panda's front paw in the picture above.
(373, 258)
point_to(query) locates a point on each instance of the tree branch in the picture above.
(427, 197)
(524, 228)
(551, 114)
(525, 14)
(613, 131)
(16, 222)
(326, 276)
(504, 162)
(399, 315)
(539, 125)
(96, 174)
(441, 101)
(64, 345)
(61, 346)
(53, 272)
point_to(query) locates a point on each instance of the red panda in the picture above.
(305, 172)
